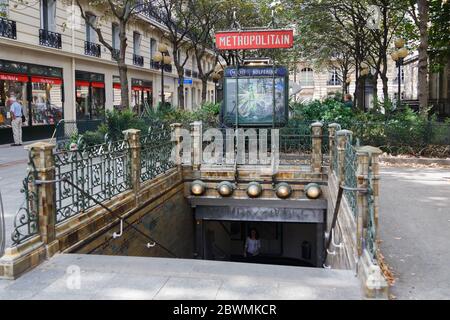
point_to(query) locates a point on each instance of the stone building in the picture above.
(319, 83)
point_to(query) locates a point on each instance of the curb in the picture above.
(422, 161)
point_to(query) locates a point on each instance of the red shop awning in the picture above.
(13, 77)
(46, 80)
(117, 86)
(97, 84)
(80, 83)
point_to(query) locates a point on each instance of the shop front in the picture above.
(90, 95)
(40, 91)
(141, 95)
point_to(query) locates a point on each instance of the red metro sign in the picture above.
(261, 39)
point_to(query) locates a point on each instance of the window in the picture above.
(152, 47)
(334, 78)
(307, 77)
(115, 36)
(136, 43)
(90, 32)
(48, 15)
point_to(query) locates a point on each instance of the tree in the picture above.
(176, 17)
(206, 15)
(123, 11)
(419, 11)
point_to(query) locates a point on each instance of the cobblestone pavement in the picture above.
(415, 230)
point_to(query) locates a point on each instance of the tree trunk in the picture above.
(123, 69)
(180, 87)
(423, 89)
(204, 88)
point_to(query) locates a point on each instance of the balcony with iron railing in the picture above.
(115, 54)
(50, 39)
(154, 65)
(157, 66)
(92, 49)
(334, 82)
(8, 28)
(138, 60)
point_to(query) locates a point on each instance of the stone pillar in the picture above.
(176, 134)
(332, 128)
(362, 171)
(373, 161)
(133, 137)
(316, 155)
(197, 150)
(342, 137)
(41, 154)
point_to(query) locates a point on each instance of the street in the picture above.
(415, 230)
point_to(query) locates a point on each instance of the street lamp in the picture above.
(364, 71)
(399, 56)
(216, 76)
(163, 58)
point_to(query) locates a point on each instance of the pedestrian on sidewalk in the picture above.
(16, 120)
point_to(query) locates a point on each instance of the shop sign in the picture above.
(186, 81)
(13, 77)
(261, 39)
(80, 83)
(97, 84)
(55, 81)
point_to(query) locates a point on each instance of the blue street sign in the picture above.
(186, 81)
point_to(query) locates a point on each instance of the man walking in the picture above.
(16, 120)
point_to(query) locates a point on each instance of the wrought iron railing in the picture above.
(138, 60)
(8, 28)
(156, 152)
(157, 66)
(50, 39)
(92, 49)
(26, 222)
(154, 65)
(68, 131)
(350, 170)
(102, 171)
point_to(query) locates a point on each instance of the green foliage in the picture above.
(395, 132)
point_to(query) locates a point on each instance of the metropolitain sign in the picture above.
(261, 39)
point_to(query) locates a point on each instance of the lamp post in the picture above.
(364, 71)
(398, 56)
(163, 57)
(216, 76)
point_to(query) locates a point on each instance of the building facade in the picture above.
(319, 83)
(56, 67)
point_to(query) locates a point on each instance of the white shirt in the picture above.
(252, 245)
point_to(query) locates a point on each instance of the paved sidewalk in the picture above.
(13, 166)
(118, 277)
(415, 230)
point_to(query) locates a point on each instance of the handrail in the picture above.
(149, 245)
(330, 239)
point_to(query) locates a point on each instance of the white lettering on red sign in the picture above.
(254, 39)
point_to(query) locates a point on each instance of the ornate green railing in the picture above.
(26, 222)
(102, 171)
(350, 167)
(156, 151)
